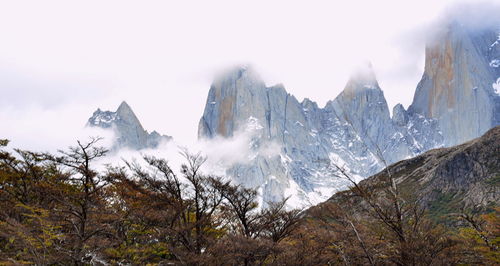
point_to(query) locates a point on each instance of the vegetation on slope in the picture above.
(58, 209)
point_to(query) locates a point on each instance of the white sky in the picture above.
(60, 60)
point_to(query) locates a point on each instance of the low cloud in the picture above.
(475, 15)
(39, 129)
(53, 75)
(246, 144)
(221, 153)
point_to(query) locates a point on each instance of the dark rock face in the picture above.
(128, 130)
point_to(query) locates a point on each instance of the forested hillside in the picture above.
(59, 209)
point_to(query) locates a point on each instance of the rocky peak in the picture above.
(233, 96)
(399, 115)
(457, 87)
(124, 109)
(362, 94)
(456, 100)
(362, 80)
(362, 104)
(103, 119)
(125, 113)
(308, 103)
(308, 137)
(127, 127)
(238, 78)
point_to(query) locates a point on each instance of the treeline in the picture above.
(60, 210)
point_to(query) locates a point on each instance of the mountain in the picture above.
(443, 180)
(295, 144)
(127, 128)
(362, 104)
(456, 100)
(460, 85)
(354, 130)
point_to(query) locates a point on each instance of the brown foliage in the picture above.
(58, 209)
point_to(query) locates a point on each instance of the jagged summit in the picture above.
(399, 115)
(124, 108)
(362, 78)
(125, 113)
(458, 85)
(363, 106)
(350, 130)
(127, 127)
(232, 95)
(238, 74)
(455, 101)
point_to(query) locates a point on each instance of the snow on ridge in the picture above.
(291, 193)
(496, 42)
(496, 86)
(103, 118)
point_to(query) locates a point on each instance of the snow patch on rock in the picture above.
(496, 87)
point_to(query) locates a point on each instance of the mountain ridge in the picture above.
(443, 180)
(296, 126)
(127, 128)
(456, 100)
(356, 129)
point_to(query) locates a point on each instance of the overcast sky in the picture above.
(61, 60)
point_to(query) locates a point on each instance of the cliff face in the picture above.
(230, 101)
(354, 131)
(127, 128)
(458, 87)
(362, 104)
(457, 100)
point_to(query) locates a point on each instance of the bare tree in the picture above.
(242, 205)
(193, 201)
(278, 222)
(80, 208)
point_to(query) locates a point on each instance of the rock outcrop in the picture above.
(362, 104)
(128, 130)
(459, 87)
